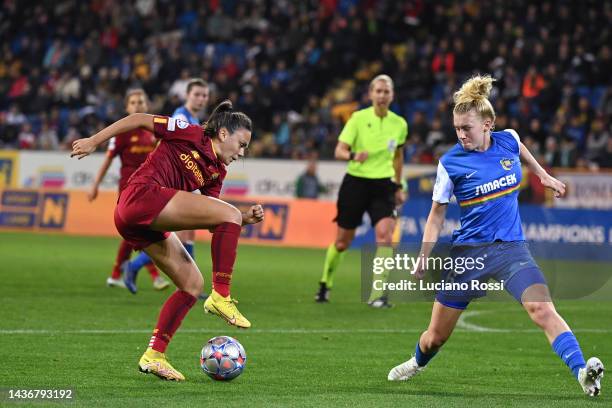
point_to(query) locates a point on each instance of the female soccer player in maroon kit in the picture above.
(132, 147)
(158, 199)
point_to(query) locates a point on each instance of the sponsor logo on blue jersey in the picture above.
(501, 183)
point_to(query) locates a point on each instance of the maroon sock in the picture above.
(223, 250)
(152, 270)
(170, 318)
(123, 254)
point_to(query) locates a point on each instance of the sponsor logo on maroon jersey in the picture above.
(192, 166)
(141, 149)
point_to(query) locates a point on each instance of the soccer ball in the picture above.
(223, 358)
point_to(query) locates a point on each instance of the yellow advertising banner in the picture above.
(9, 169)
(298, 223)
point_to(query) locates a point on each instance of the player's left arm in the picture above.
(84, 147)
(253, 215)
(546, 179)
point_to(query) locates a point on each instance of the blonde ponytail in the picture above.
(474, 94)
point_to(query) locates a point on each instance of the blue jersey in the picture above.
(485, 185)
(183, 114)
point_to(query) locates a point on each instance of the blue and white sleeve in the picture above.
(443, 189)
(516, 137)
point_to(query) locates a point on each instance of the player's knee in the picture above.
(342, 245)
(433, 340)
(233, 215)
(541, 313)
(384, 237)
(195, 285)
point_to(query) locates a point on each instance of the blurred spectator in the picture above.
(179, 86)
(568, 153)
(605, 157)
(551, 152)
(418, 126)
(26, 139)
(533, 83)
(536, 131)
(47, 140)
(435, 135)
(308, 184)
(597, 139)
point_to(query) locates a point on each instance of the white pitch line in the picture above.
(463, 324)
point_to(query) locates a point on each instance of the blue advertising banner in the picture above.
(548, 227)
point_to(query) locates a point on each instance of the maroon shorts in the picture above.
(138, 206)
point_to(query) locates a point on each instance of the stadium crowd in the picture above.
(298, 68)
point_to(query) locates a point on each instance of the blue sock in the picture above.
(421, 358)
(141, 260)
(566, 346)
(189, 247)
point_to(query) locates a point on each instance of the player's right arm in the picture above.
(442, 193)
(86, 146)
(433, 227)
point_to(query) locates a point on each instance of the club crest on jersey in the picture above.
(195, 154)
(181, 124)
(134, 139)
(506, 163)
(214, 176)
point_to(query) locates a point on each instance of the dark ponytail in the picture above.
(224, 117)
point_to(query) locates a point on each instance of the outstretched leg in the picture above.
(537, 302)
(441, 326)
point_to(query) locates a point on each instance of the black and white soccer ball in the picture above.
(223, 358)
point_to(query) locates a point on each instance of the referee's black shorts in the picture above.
(358, 195)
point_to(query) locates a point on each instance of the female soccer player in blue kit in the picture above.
(483, 171)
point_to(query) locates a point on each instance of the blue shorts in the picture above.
(509, 262)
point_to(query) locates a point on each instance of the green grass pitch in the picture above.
(60, 327)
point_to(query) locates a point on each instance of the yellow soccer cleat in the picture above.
(225, 307)
(154, 362)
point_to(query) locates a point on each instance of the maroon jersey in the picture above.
(132, 147)
(183, 160)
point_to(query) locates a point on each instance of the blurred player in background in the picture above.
(132, 148)
(372, 142)
(158, 199)
(483, 171)
(197, 96)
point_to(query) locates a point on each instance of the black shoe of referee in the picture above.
(322, 295)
